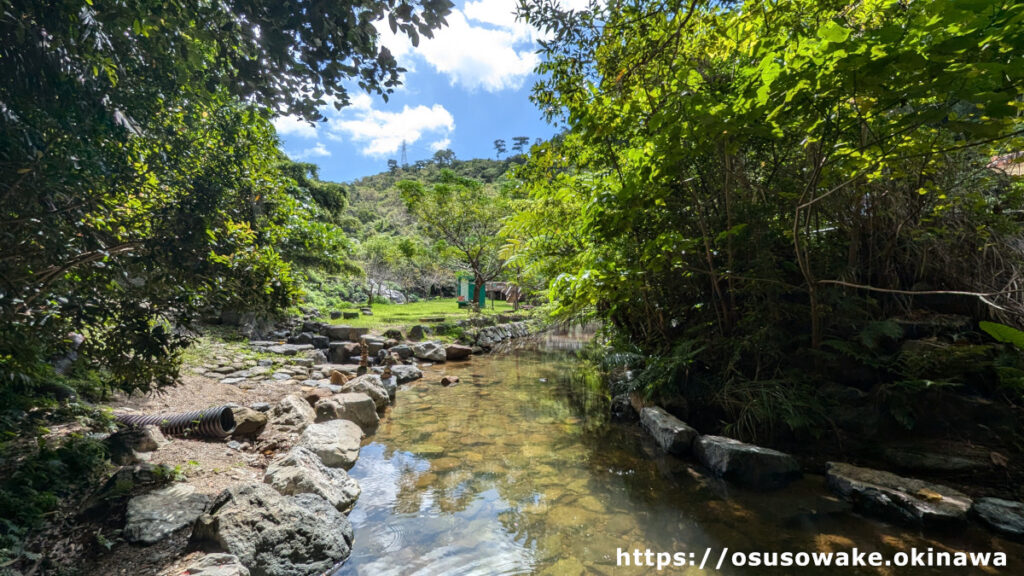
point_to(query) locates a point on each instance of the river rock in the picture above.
(405, 373)
(302, 472)
(354, 407)
(217, 565)
(336, 332)
(275, 535)
(429, 350)
(356, 334)
(1003, 516)
(404, 351)
(622, 409)
(417, 332)
(129, 445)
(249, 423)
(457, 352)
(293, 412)
(154, 516)
(318, 357)
(672, 434)
(390, 386)
(373, 345)
(289, 349)
(904, 500)
(748, 465)
(370, 385)
(336, 442)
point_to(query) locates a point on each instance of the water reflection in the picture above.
(517, 470)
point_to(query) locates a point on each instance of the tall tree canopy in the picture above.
(465, 214)
(742, 182)
(140, 179)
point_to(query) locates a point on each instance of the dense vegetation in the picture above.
(750, 194)
(141, 185)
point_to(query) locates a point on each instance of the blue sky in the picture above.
(465, 88)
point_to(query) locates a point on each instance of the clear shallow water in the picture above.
(517, 470)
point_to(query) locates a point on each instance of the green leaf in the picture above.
(833, 33)
(1003, 333)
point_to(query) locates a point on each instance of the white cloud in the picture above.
(382, 133)
(440, 144)
(292, 126)
(317, 151)
(483, 47)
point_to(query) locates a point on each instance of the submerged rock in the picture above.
(275, 535)
(301, 472)
(904, 500)
(156, 515)
(672, 434)
(336, 442)
(745, 464)
(621, 408)
(1003, 516)
(457, 352)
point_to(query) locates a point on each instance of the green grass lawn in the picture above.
(397, 315)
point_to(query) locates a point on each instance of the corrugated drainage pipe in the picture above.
(211, 423)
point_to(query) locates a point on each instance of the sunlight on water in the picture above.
(517, 470)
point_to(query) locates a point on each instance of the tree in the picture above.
(742, 185)
(444, 157)
(466, 215)
(141, 180)
(392, 166)
(499, 148)
(519, 144)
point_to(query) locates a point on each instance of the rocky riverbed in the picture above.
(272, 498)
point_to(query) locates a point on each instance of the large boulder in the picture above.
(457, 352)
(275, 535)
(156, 515)
(418, 332)
(353, 406)
(404, 373)
(903, 500)
(293, 412)
(356, 334)
(370, 385)
(672, 434)
(300, 471)
(429, 350)
(1003, 516)
(746, 464)
(217, 565)
(335, 442)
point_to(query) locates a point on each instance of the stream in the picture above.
(518, 470)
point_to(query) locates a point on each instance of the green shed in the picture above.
(464, 286)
